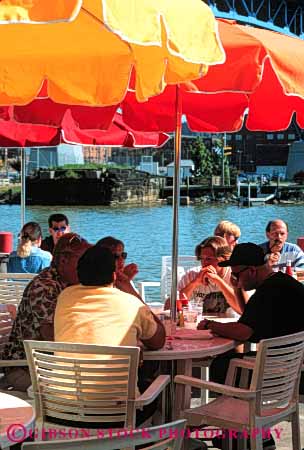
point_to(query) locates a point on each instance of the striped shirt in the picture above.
(289, 252)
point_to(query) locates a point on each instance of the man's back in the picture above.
(275, 308)
(102, 315)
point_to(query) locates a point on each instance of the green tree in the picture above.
(202, 158)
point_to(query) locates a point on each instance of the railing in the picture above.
(284, 16)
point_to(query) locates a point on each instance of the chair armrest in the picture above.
(13, 362)
(153, 391)
(235, 364)
(216, 387)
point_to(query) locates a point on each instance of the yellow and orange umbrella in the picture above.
(38, 11)
(91, 60)
(86, 63)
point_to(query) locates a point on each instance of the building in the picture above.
(45, 157)
(186, 168)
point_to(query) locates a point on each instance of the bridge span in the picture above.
(285, 16)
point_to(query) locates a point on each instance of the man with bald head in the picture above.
(278, 250)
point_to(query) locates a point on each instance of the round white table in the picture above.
(17, 418)
(184, 351)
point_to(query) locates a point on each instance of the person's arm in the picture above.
(233, 330)
(123, 283)
(152, 331)
(158, 339)
(299, 260)
(236, 298)
(187, 289)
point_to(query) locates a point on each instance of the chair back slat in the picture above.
(184, 263)
(6, 323)
(12, 286)
(74, 381)
(277, 371)
(163, 437)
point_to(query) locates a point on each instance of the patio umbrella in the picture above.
(165, 42)
(14, 134)
(38, 11)
(262, 79)
(85, 63)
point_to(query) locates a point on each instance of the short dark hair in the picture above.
(96, 267)
(271, 222)
(57, 218)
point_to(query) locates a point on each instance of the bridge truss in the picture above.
(277, 15)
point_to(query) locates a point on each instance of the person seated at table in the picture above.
(277, 250)
(58, 226)
(272, 311)
(228, 230)
(124, 273)
(29, 258)
(35, 315)
(117, 318)
(210, 283)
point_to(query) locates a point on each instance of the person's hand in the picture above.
(130, 270)
(273, 258)
(203, 325)
(206, 274)
(122, 281)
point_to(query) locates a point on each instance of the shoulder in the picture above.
(264, 246)
(47, 279)
(290, 247)
(13, 254)
(36, 251)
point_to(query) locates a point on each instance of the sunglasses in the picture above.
(236, 275)
(122, 255)
(56, 229)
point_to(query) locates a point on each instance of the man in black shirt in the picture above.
(273, 310)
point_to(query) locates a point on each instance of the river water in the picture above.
(147, 231)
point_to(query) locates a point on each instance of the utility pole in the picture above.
(223, 165)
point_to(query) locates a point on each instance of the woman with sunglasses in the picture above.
(29, 258)
(124, 273)
(210, 284)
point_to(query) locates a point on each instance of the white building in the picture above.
(186, 166)
(44, 157)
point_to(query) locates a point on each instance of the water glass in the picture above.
(170, 326)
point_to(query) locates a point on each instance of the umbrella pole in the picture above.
(176, 199)
(22, 195)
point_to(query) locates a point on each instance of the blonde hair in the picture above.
(218, 244)
(226, 227)
(29, 234)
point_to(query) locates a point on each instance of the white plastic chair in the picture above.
(167, 436)
(184, 263)
(272, 397)
(7, 316)
(87, 383)
(12, 286)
